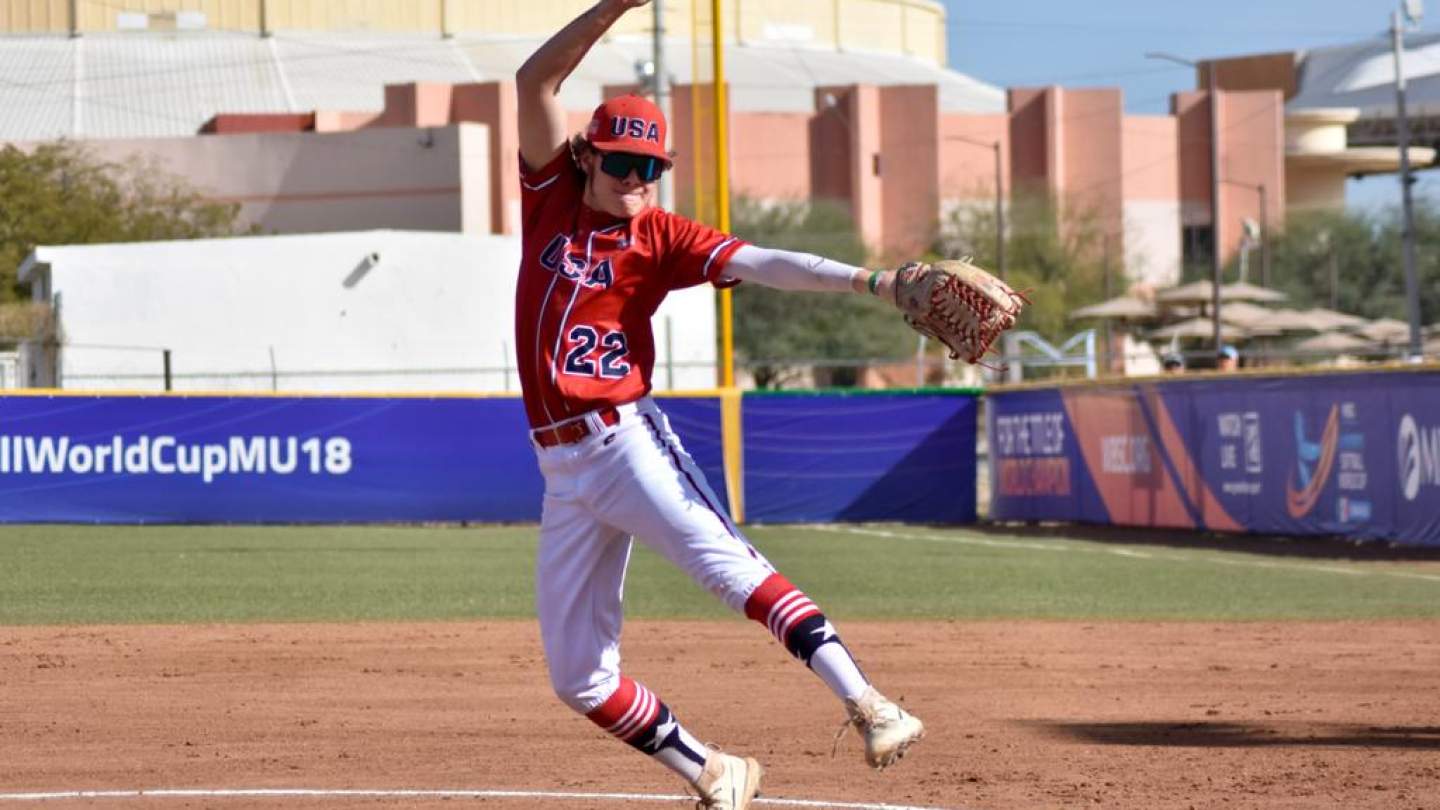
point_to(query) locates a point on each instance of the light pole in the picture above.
(1264, 228)
(1407, 235)
(662, 95)
(1215, 264)
(999, 198)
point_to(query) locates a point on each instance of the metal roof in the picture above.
(149, 84)
(1362, 75)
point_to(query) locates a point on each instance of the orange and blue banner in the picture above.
(1336, 454)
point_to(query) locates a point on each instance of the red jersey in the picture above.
(589, 285)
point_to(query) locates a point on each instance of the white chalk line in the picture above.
(1066, 545)
(321, 793)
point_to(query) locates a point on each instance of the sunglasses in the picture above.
(620, 164)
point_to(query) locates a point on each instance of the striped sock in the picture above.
(636, 717)
(799, 625)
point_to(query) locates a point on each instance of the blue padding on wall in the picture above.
(852, 457)
(696, 420)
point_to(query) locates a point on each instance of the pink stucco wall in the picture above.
(908, 170)
(1149, 159)
(830, 146)
(890, 156)
(1252, 152)
(770, 155)
(343, 120)
(493, 104)
(1030, 124)
(1091, 171)
(422, 104)
(1191, 111)
(967, 167)
(1252, 149)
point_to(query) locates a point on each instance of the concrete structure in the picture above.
(1339, 108)
(404, 178)
(328, 116)
(892, 155)
(363, 311)
(912, 28)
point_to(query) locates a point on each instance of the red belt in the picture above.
(573, 430)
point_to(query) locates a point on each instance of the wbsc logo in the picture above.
(1419, 455)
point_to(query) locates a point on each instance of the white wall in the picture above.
(313, 313)
(1152, 242)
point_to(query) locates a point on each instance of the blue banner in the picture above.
(860, 457)
(1348, 454)
(184, 459)
(218, 459)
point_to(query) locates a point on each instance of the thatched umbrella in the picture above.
(1385, 330)
(1121, 308)
(1202, 292)
(1243, 291)
(1326, 319)
(1260, 319)
(1333, 343)
(1199, 328)
(1292, 320)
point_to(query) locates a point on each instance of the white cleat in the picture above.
(728, 783)
(887, 729)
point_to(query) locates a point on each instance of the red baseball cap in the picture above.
(628, 124)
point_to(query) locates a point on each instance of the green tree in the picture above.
(1351, 261)
(60, 194)
(775, 331)
(1057, 257)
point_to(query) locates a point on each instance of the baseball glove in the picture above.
(958, 304)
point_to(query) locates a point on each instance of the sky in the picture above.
(1102, 43)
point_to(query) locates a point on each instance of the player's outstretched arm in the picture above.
(789, 270)
(540, 116)
(955, 302)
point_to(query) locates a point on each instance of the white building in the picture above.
(395, 311)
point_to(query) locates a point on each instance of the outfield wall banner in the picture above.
(1349, 454)
(238, 459)
(216, 459)
(863, 456)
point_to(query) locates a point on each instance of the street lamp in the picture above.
(1412, 11)
(999, 199)
(1215, 266)
(1264, 228)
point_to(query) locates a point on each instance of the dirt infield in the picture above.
(1021, 715)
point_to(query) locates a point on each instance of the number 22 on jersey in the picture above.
(591, 354)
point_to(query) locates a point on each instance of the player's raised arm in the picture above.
(537, 82)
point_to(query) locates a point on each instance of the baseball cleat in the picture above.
(887, 729)
(728, 783)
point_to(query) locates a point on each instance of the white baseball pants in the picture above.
(629, 480)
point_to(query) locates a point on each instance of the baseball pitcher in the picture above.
(598, 258)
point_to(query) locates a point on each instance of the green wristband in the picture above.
(874, 282)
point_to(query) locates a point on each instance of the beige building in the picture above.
(400, 114)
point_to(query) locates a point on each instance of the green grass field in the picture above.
(171, 574)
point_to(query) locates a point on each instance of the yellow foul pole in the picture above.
(730, 397)
(722, 187)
